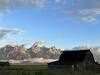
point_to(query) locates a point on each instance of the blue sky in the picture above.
(65, 25)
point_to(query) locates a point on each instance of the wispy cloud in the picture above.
(6, 5)
(88, 15)
(4, 32)
(87, 10)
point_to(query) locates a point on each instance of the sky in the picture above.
(61, 23)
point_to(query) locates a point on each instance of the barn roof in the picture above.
(74, 55)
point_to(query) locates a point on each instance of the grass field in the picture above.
(41, 70)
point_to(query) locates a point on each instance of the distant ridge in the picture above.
(19, 52)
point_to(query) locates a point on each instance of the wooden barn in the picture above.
(74, 60)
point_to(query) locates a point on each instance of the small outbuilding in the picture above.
(4, 64)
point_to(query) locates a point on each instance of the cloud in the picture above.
(5, 32)
(88, 46)
(87, 10)
(42, 60)
(6, 5)
(2, 45)
(88, 15)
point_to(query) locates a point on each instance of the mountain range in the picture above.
(19, 52)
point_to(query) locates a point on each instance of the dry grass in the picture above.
(41, 70)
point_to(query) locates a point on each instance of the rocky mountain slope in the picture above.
(19, 52)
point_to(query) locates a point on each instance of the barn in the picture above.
(74, 60)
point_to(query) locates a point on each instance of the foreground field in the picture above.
(41, 70)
